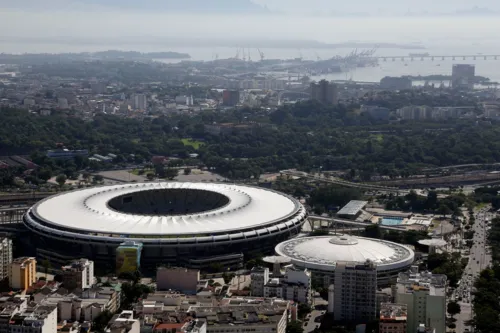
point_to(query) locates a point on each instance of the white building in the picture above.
(5, 257)
(40, 319)
(355, 292)
(425, 297)
(29, 102)
(139, 101)
(124, 323)
(79, 274)
(412, 112)
(259, 277)
(63, 103)
(242, 318)
(296, 286)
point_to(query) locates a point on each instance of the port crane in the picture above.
(261, 54)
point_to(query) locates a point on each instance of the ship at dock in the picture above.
(416, 55)
(339, 64)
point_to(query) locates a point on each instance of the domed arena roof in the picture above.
(323, 252)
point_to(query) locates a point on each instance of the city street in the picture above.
(478, 260)
(312, 321)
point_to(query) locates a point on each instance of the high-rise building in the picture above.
(462, 76)
(295, 286)
(396, 83)
(412, 112)
(393, 318)
(355, 290)
(78, 275)
(128, 257)
(22, 273)
(139, 102)
(63, 103)
(230, 97)
(325, 92)
(425, 297)
(259, 277)
(5, 257)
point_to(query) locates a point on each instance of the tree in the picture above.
(187, 171)
(303, 310)
(294, 327)
(98, 178)
(171, 173)
(86, 176)
(228, 277)
(444, 210)
(101, 321)
(44, 174)
(453, 308)
(373, 231)
(61, 179)
(46, 266)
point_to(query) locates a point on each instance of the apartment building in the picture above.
(22, 273)
(355, 292)
(424, 294)
(78, 275)
(5, 257)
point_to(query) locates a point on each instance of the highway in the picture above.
(479, 259)
(333, 180)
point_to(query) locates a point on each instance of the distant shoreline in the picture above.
(204, 42)
(7, 58)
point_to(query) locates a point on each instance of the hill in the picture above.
(190, 6)
(162, 6)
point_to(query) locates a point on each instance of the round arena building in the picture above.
(321, 254)
(192, 225)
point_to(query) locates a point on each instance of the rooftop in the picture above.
(22, 260)
(391, 311)
(413, 280)
(352, 208)
(244, 315)
(323, 252)
(243, 207)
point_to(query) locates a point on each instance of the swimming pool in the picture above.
(391, 220)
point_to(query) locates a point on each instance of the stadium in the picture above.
(193, 225)
(321, 253)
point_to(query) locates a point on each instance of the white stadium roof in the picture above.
(323, 252)
(88, 210)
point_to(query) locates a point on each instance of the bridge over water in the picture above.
(439, 57)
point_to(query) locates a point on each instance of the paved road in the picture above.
(478, 260)
(313, 322)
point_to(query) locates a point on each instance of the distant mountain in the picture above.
(189, 6)
(177, 6)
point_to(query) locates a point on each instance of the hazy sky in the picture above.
(76, 21)
(395, 6)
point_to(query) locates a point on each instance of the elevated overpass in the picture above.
(23, 198)
(333, 180)
(334, 222)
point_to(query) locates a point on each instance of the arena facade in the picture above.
(193, 225)
(320, 254)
